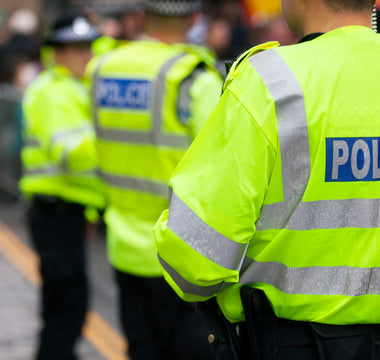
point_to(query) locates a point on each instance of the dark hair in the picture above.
(350, 4)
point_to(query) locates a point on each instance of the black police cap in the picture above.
(172, 7)
(71, 29)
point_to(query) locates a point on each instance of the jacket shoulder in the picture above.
(42, 82)
(243, 58)
(201, 53)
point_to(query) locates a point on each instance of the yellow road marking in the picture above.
(96, 330)
(107, 340)
(21, 256)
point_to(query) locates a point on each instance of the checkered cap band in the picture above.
(79, 31)
(172, 7)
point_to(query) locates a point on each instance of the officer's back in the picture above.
(152, 96)
(291, 249)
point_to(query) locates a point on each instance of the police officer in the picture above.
(59, 163)
(152, 97)
(275, 207)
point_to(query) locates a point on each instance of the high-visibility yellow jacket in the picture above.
(281, 190)
(59, 156)
(104, 44)
(151, 100)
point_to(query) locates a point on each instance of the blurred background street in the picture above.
(227, 27)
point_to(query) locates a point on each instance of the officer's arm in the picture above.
(218, 189)
(66, 130)
(198, 95)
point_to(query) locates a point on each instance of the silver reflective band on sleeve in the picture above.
(54, 170)
(293, 213)
(315, 280)
(187, 287)
(47, 170)
(201, 237)
(31, 143)
(141, 185)
(156, 135)
(60, 135)
(292, 124)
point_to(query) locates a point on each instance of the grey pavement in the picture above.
(18, 320)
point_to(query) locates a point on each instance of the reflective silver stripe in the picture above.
(155, 136)
(315, 280)
(147, 138)
(59, 135)
(142, 185)
(187, 287)
(48, 170)
(335, 214)
(208, 242)
(53, 170)
(292, 124)
(124, 136)
(31, 143)
(292, 213)
(157, 109)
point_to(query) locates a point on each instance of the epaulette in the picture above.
(236, 66)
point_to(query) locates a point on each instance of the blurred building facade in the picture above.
(9, 6)
(47, 9)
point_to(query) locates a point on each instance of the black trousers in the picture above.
(158, 324)
(293, 340)
(58, 233)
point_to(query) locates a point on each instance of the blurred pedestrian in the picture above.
(152, 98)
(19, 54)
(227, 16)
(59, 161)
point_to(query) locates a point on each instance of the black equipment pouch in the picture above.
(222, 335)
(259, 333)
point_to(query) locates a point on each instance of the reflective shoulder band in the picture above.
(293, 213)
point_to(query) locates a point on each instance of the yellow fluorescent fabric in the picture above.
(313, 240)
(143, 130)
(148, 161)
(59, 155)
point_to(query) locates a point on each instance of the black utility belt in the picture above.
(56, 204)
